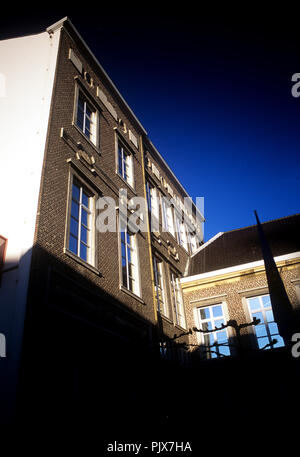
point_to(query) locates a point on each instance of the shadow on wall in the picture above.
(91, 368)
(90, 362)
(13, 287)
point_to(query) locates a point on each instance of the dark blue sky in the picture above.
(214, 94)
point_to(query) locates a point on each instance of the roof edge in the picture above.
(262, 223)
(66, 20)
(211, 240)
(237, 268)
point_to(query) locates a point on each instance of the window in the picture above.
(129, 262)
(160, 295)
(164, 349)
(177, 300)
(181, 232)
(167, 216)
(86, 117)
(153, 206)
(3, 244)
(194, 242)
(266, 331)
(81, 222)
(125, 164)
(215, 343)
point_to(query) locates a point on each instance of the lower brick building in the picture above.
(227, 282)
(246, 370)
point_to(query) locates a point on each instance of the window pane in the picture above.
(254, 303)
(74, 227)
(80, 108)
(262, 342)
(266, 301)
(224, 350)
(75, 210)
(83, 251)
(73, 244)
(81, 102)
(84, 217)
(269, 316)
(219, 322)
(204, 313)
(75, 192)
(258, 316)
(123, 261)
(123, 250)
(206, 326)
(88, 111)
(280, 341)
(260, 330)
(79, 120)
(85, 199)
(120, 167)
(124, 275)
(217, 311)
(84, 235)
(273, 328)
(222, 337)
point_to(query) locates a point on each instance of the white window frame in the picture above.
(181, 232)
(193, 241)
(93, 137)
(270, 335)
(159, 286)
(130, 249)
(184, 236)
(167, 216)
(90, 210)
(125, 163)
(153, 206)
(214, 335)
(177, 300)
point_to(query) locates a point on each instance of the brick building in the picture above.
(248, 373)
(83, 307)
(95, 322)
(227, 281)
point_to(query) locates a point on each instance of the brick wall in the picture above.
(231, 291)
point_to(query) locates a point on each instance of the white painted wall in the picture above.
(27, 69)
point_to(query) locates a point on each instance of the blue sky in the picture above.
(213, 93)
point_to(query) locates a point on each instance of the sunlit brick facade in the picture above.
(89, 299)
